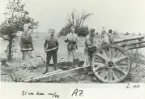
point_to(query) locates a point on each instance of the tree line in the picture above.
(16, 16)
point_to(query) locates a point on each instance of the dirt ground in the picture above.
(137, 73)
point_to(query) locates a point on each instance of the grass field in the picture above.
(62, 55)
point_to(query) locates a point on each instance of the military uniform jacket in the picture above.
(51, 42)
(72, 40)
(26, 42)
(91, 41)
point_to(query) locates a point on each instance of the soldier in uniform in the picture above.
(26, 43)
(51, 48)
(90, 47)
(108, 38)
(103, 32)
(72, 40)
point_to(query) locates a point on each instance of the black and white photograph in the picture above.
(72, 41)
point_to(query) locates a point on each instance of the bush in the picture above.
(83, 31)
(65, 30)
(77, 20)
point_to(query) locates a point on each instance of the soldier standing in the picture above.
(108, 38)
(26, 43)
(103, 32)
(72, 40)
(51, 47)
(90, 47)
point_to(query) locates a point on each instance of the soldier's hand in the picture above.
(65, 41)
(95, 47)
(90, 46)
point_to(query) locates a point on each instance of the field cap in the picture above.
(92, 32)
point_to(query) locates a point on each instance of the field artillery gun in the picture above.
(111, 63)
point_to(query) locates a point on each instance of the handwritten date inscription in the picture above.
(132, 86)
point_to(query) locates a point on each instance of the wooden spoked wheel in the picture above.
(111, 64)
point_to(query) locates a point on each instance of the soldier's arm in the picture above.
(31, 41)
(45, 44)
(96, 43)
(57, 44)
(77, 39)
(85, 42)
(66, 39)
(21, 42)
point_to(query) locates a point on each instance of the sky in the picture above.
(118, 15)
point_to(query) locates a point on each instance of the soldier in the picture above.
(26, 43)
(108, 38)
(103, 32)
(90, 47)
(72, 40)
(51, 47)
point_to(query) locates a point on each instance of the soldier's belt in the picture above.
(28, 49)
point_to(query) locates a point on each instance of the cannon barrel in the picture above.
(140, 42)
(125, 40)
